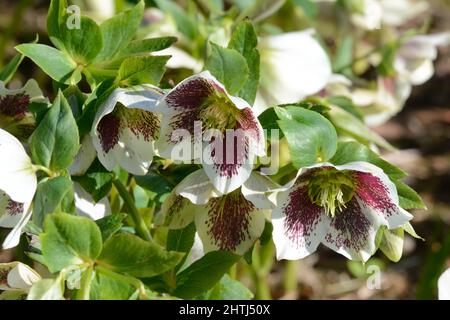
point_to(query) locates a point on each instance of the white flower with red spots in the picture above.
(200, 116)
(15, 116)
(18, 185)
(340, 206)
(231, 222)
(16, 280)
(125, 128)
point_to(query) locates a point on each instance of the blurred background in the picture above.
(421, 132)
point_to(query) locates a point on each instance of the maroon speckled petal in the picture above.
(109, 130)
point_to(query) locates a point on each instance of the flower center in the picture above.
(331, 189)
(218, 112)
(14, 105)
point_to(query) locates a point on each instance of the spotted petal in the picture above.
(125, 128)
(177, 211)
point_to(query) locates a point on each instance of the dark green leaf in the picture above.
(10, 69)
(109, 225)
(408, 198)
(97, 184)
(147, 45)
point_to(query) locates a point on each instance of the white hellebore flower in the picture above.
(231, 222)
(399, 12)
(18, 184)
(414, 60)
(444, 286)
(125, 128)
(87, 207)
(224, 133)
(366, 14)
(293, 66)
(340, 206)
(16, 280)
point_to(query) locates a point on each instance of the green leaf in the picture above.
(351, 151)
(10, 69)
(126, 253)
(269, 121)
(309, 7)
(97, 184)
(53, 62)
(181, 240)
(109, 225)
(346, 104)
(118, 31)
(204, 273)
(69, 240)
(185, 24)
(147, 45)
(84, 43)
(155, 182)
(408, 198)
(388, 55)
(55, 18)
(344, 56)
(49, 197)
(310, 136)
(225, 64)
(245, 41)
(348, 124)
(391, 243)
(228, 289)
(142, 69)
(47, 289)
(55, 142)
(105, 287)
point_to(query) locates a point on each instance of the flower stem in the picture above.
(47, 171)
(141, 227)
(85, 285)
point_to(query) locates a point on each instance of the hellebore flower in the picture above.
(231, 222)
(293, 66)
(87, 207)
(125, 128)
(15, 116)
(18, 184)
(399, 12)
(84, 158)
(199, 113)
(414, 59)
(444, 286)
(16, 280)
(339, 206)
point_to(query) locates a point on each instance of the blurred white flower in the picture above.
(399, 12)
(293, 66)
(444, 286)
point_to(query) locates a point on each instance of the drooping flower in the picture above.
(414, 59)
(87, 207)
(15, 115)
(339, 206)
(125, 128)
(444, 286)
(399, 12)
(16, 280)
(293, 66)
(84, 158)
(202, 122)
(18, 184)
(231, 222)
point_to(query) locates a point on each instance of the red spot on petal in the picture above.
(14, 105)
(144, 124)
(108, 130)
(191, 94)
(14, 208)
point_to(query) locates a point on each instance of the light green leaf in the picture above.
(348, 124)
(47, 289)
(84, 43)
(142, 69)
(225, 64)
(245, 41)
(310, 136)
(127, 253)
(10, 69)
(69, 240)
(49, 197)
(55, 18)
(147, 45)
(309, 7)
(55, 142)
(105, 287)
(118, 31)
(391, 243)
(185, 24)
(109, 225)
(204, 273)
(410, 230)
(58, 65)
(228, 289)
(408, 198)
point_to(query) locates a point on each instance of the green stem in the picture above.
(290, 276)
(141, 227)
(259, 273)
(85, 285)
(47, 171)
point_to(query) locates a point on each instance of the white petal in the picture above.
(444, 286)
(398, 12)
(22, 277)
(31, 88)
(13, 238)
(84, 158)
(11, 212)
(177, 211)
(197, 188)
(293, 65)
(258, 189)
(17, 177)
(85, 205)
